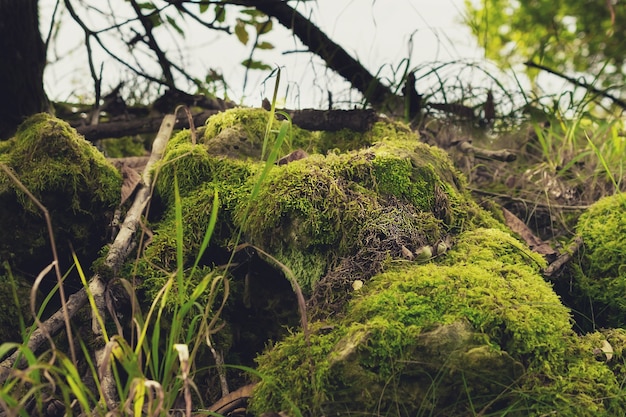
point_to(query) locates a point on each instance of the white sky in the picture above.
(376, 32)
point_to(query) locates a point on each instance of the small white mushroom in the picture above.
(606, 351)
(407, 254)
(424, 253)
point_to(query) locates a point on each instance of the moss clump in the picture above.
(193, 166)
(68, 175)
(590, 383)
(481, 331)
(331, 219)
(319, 205)
(311, 212)
(600, 275)
(240, 133)
(306, 204)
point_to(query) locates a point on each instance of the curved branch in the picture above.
(87, 30)
(602, 93)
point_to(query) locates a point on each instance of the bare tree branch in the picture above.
(152, 44)
(319, 43)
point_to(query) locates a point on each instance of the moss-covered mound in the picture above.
(75, 183)
(481, 333)
(600, 275)
(312, 212)
(328, 218)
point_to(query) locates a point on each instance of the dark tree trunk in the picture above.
(22, 60)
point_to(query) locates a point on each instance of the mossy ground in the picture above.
(472, 330)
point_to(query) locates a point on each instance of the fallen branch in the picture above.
(133, 127)
(309, 119)
(121, 247)
(555, 266)
(500, 155)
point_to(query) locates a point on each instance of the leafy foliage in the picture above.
(576, 36)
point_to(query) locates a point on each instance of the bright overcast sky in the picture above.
(377, 32)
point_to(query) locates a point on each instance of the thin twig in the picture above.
(572, 250)
(578, 83)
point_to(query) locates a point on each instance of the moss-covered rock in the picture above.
(600, 274)
(421, 303)
(480, 332)
(75, 183)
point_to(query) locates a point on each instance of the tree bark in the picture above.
(22, 61)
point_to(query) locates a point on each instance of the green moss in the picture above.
(318, 205)
(334, 217)
(76, 184)
(196, 209)
(600, 275)
(493, 245)
(306, 204)
(432, 339)
(193, 166)
(307, 266)
(591, 384)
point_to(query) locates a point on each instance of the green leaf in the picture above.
(253, 12)
(146, 5)
(173, 23)
(254, 64)
(264, 27)
(220, 13)
(265, 45)
(155, 19)
(241, 32)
